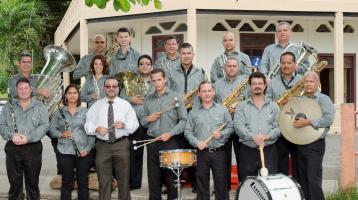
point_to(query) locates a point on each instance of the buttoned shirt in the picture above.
(83, 67)
(224, 88)
(172, 121)
(13, 80)
(217, 68)
(278, 85)
(183, 82)
(165, 63)
(97, 116)
(271, 58)
(139, 109)
(32, 121)
(76, 123)
(250, 121)
(89, 89)
(328, 112)
(124, 62)
(203, 121)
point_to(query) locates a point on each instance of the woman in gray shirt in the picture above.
(74, 144)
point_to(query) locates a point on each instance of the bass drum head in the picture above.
(273, 187)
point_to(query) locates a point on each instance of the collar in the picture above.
(249, 100)
(176, 57)
(212, 105)
(116, 100)
(65, 108)
(279, 45)
(166, 91)
(315, 95)
(32, 104)
(235, 52)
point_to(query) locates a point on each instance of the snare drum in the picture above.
(177, 158)
(273, 187)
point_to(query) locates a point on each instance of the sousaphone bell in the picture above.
(300, 107)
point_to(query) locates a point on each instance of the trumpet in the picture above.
(188, 98)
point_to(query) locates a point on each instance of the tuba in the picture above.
(133, 84)
(58, 60)
(305, 50)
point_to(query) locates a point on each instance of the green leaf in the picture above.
(116, 5)
(139, 1)
(126, 6)
(100, 3)
(145, 2)
(157, 4)
(133, 2)
(89, 3)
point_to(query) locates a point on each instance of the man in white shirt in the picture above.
(112, 119)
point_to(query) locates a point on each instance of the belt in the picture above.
(215, 149)
(114, 141)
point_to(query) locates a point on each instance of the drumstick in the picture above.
(139, 141)
(142, 145)
(212, 135)
(263, 170)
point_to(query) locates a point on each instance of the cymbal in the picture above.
(295, 108)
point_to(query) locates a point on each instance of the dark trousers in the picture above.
(286, 150)
(309, 160)
(108, 157)
(250, 162)
(136, 159)
(155, 173)
(54, 142)
(23, 160)
(72, 165)
(234, 140)
(216, 161)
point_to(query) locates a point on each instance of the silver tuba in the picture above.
(305, 50)
(58, 60)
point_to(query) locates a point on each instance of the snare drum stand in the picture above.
(177, 171)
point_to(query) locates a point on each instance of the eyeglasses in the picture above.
(99, 42)
(111, 86)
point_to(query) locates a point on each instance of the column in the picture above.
(192, 27)
(338, 59)
(83, 42)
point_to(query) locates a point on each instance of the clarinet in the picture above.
(67, 127)
(13, 118)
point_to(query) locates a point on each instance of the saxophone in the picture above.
(297, 89)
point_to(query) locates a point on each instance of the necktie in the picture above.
(111, 133)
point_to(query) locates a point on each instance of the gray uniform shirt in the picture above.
(181, 83)
(328, 112)
(165, 63)
(89, 89)
(32, 122)
(250, 121)
(83, 67)
(139, 109)
(202, 122)
(224, 87)
(271, 58)
(278, 85)
(76, 124)
(216, 71)
(124, 62)
(172, 121)
(13, 80)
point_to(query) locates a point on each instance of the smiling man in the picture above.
(170, 57)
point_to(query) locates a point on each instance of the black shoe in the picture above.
(193, 190)
(165, 191)
(135, 188)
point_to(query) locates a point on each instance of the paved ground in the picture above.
(331, 173)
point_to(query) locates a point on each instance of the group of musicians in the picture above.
(113, 119)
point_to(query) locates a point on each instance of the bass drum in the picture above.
(272, 187)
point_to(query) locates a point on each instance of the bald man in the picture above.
(83, 66)
(310, 156)
(229, 42)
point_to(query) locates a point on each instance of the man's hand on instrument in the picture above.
(95, 95)
(164, 137)
(153, 117)
(44, 92)
(137, 100)
(67, 134)
(217, 135)
(301, 122)
(201, 145)
(119, 124)
(83, 153)
(260, 139)
(102, 130)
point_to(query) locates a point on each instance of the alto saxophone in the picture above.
(232, 100)
(298, 89)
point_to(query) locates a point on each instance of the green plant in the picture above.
(347, 194)
(123, 5)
